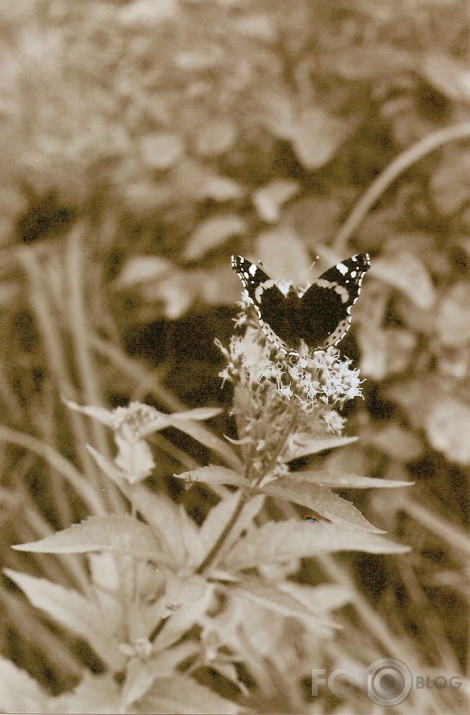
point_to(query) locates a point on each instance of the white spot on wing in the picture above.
(261, 288)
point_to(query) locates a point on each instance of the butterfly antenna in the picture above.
(310, 268)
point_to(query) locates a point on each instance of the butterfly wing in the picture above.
(324, 314)
(320, 317)
(270, 303)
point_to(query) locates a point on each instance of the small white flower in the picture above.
(285, 391)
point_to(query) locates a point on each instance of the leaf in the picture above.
(19, 692)
(450, 182)
(312, 445)
(385, 351)
(447, 75)
(119, 533)
(143, 269)
(219, 188)
(140, 674)
(198, 413)
(161, 150)
(321, 500)
(134, 458)
(344, 481)
(94, 694)
(447, 427)
(416, 397)
(214, 475)
(175, 528)
(180, 695)
(397, 443)
(221, 514)
(213, 233)
(215, 137)
(183, 591)
(106, 575)
(370, 62)
(72, 610)
(270, 597)
(217, 519)
(284, 253)
(314, 216)
(162, 514)
(452, 321)
(171, 297)
(197, 183)
(245, 520)
(408, 274)
(108, 467)
(319, 599)
(316, 135)
(269, 199)
(293, 539)
(183, 620)
(101, 414)
(279, 113)
(257, 25)
(205, 437)
(142, 14)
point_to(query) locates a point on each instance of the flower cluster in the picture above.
(279, 397)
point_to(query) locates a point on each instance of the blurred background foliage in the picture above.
(144, 142)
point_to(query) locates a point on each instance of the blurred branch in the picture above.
(440, 527)
(58, 462)
(402, 162)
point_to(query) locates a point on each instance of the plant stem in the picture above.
(400, 164)
(223, 535)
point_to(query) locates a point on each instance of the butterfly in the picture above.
(320, 315)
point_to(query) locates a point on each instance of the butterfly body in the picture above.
(319, 316)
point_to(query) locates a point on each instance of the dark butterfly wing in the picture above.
(323, 316)
(270, 303)
(320, 317)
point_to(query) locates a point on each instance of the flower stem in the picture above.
(209, 559)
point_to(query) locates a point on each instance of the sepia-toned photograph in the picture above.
(235, 357)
